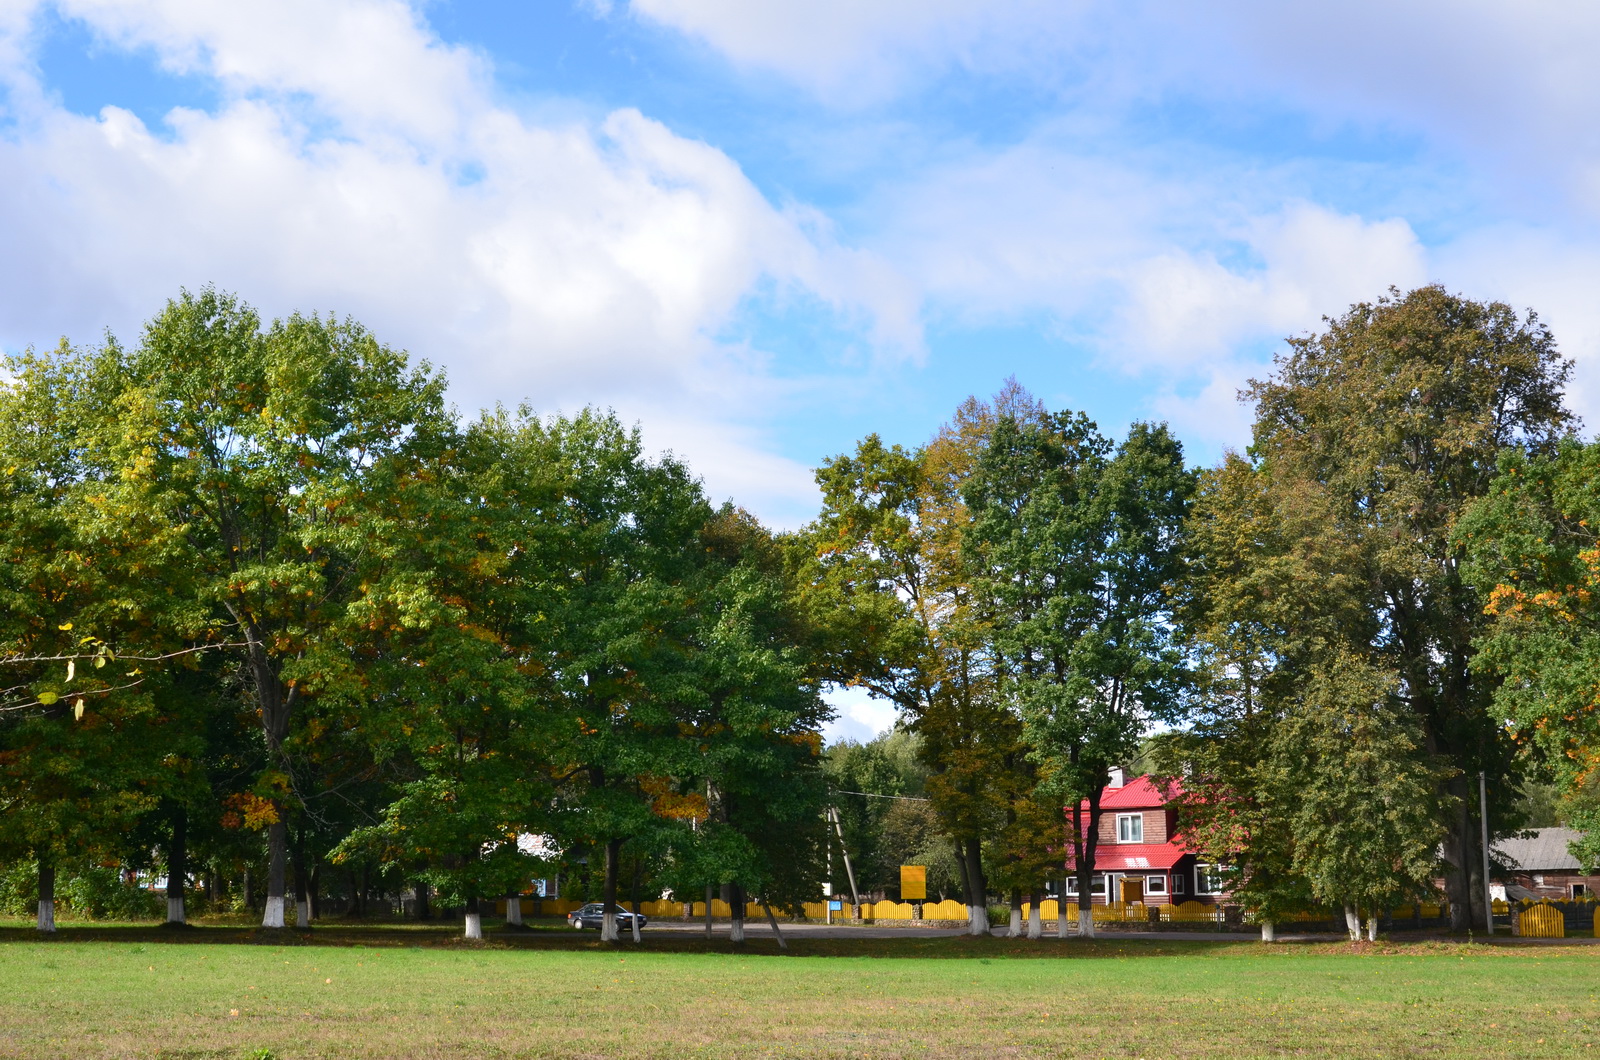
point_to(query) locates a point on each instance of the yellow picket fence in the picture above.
(1048, 909)
(1541, 920)
(1597, 923)
(1192, 913)
(949, 909)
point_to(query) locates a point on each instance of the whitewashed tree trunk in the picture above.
(1035, 921)
(1269, 931)
(277, 860)
(1061, 912)
(302, 913)
(736, 929)
(1014, 925)
(977, 920)
(47, 897)
(474, 926)
(1085, 922)
(175, 907)
(1352, 923)
(47, 915)
(1372, 927)
(608, 927)
(633, 922)
(514, 910)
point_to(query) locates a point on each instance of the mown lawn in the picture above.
(136, 994)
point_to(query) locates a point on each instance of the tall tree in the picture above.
(1077, 547)
(1533, 548)
(1398, 412)
(264, 447)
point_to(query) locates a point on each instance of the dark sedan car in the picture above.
(591, 915)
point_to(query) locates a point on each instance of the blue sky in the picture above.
(763, 230)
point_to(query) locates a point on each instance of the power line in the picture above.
(871, 795)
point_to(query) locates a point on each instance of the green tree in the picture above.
(1396, 414)
(1077, 547)
(262, 448)
(1534, 556)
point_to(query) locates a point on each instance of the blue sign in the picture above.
(835, 907)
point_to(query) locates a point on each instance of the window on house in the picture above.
(1130, 828)
(1099, 886)
(1072, 886)
(1579, 890)
(1180, 883)
(1208, 879)
(1155, 885)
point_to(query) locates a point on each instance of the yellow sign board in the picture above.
(913, 883)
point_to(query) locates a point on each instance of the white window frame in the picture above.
(1130, 819)
(1202, 878)
(1099, 886)
(1156, 885)
(1577, 890)
(1180, 883)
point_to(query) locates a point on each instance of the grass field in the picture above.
(393, 993)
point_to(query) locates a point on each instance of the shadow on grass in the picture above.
(555, 935)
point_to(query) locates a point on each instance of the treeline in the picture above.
(266, 598)
(1322, 643)
(268, 604)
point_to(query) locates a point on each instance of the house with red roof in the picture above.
(1137, 859)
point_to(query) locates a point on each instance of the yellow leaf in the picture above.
(65, 625)
(99, 661)
(77, 709)
(48, 699)
(72, 668)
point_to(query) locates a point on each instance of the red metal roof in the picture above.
(1121, 857)
(1138, 794)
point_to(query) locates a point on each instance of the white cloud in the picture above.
(855, 51)
(358, 164)
(1188, 307)
(859, 716)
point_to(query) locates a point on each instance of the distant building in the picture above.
(1542, 867)
(1136, 858)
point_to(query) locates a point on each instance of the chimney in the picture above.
(1117, 779)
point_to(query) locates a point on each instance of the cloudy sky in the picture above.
(763, 230)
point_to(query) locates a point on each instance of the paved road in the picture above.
(828, 931)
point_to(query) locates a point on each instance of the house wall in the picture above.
(1157, 826)
(1556, 883)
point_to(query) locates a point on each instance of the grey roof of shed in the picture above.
(1546, 851)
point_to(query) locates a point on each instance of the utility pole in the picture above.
(1483, 821)
(855, 896)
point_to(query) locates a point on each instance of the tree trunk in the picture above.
(514, 910)
(977, 888)
(1458, 855)
(177, 866)
(1014, 924)
(608, 919)
(302, 893)
(1061, 911)
(638, 873)
(423, 912)
(711, 892)
(1372, 927)
(736, 904)
(1352, 923)
(314, 893)
(1269, 932)
(244, 892)
(47, 895)
(1035, 918)
(474, 919)
(277, 869)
